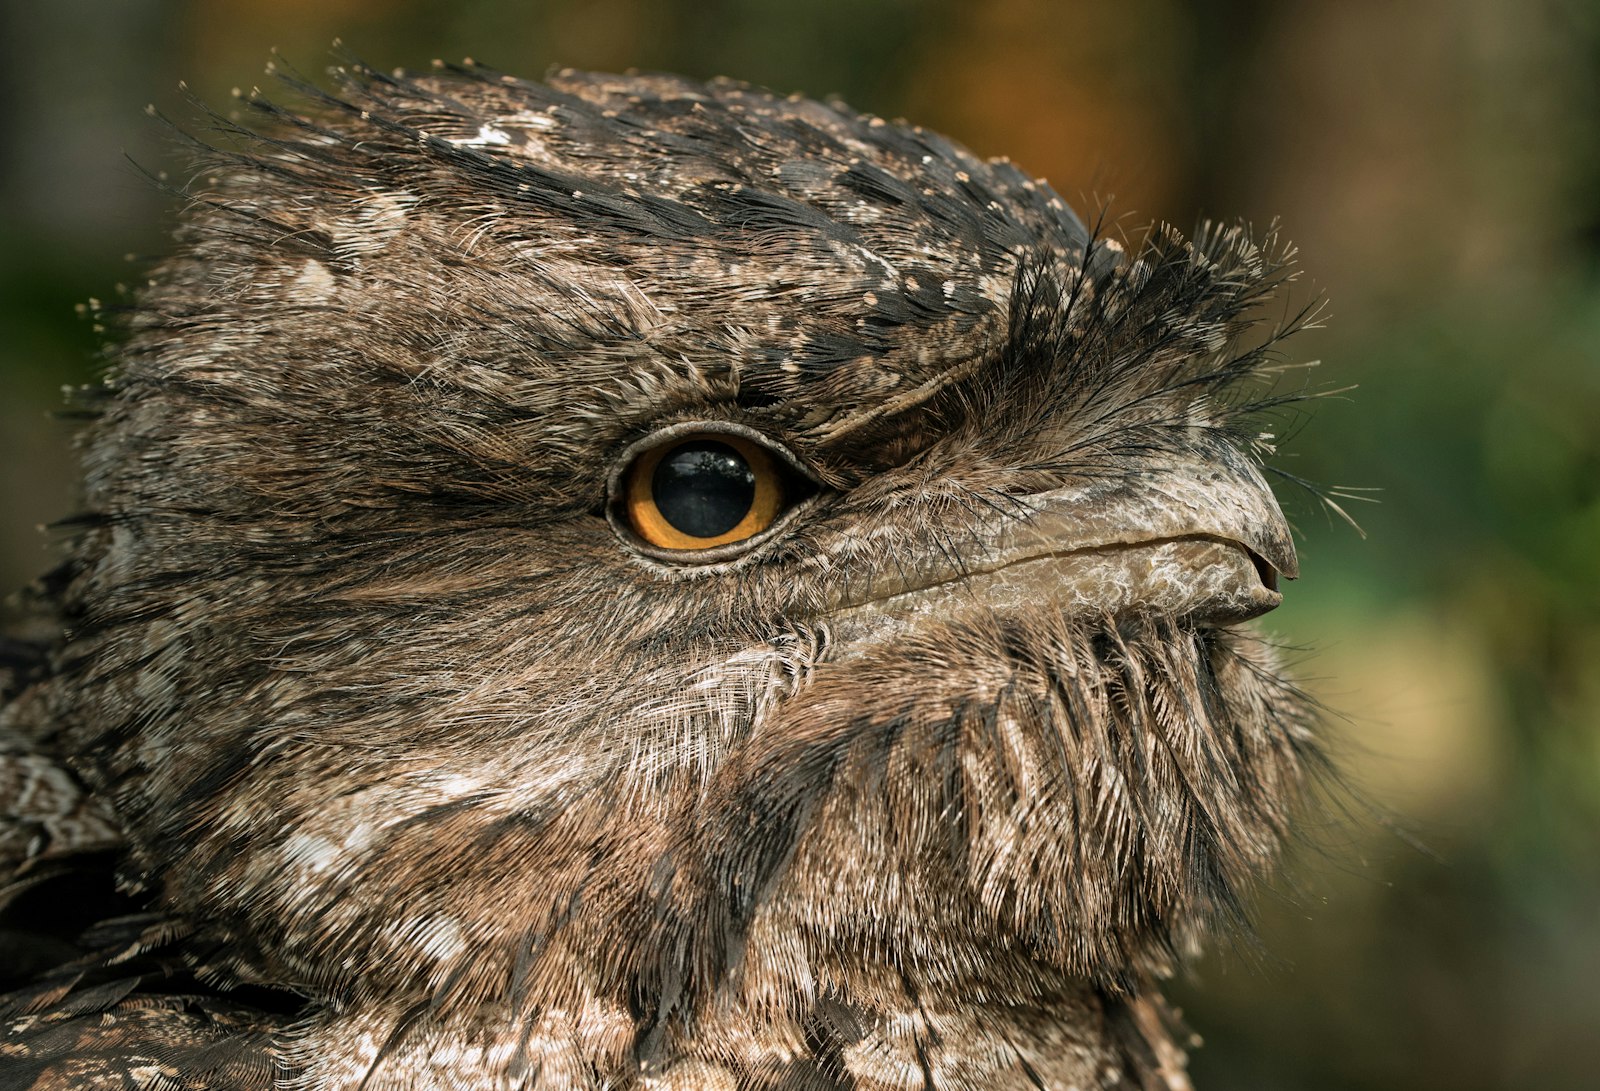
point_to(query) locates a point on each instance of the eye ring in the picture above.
(704, 491)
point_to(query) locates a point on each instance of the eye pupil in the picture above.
(703, 488)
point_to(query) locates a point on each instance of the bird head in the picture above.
(646, 549)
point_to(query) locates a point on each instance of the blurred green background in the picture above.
(1439, 164)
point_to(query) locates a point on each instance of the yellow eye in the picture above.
(702, 490)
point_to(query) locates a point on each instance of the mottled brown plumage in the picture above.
(425, 771)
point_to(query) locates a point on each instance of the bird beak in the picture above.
(1204, 541)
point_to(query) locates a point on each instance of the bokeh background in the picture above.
(1438, 163)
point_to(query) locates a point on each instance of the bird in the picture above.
(622, 582)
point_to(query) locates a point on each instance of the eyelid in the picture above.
(684, 429)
